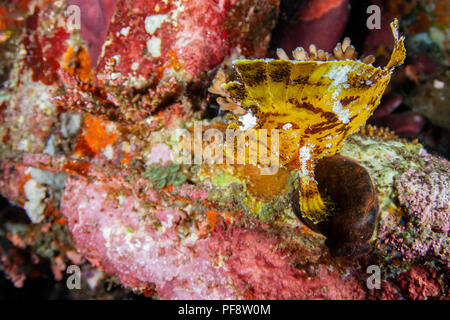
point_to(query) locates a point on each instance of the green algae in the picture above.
(166, 175)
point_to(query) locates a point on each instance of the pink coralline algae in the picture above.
(151, 42)
(128, 242)
(112, 228)
(262, 272)
(418, 283)
(155, 53)
(424, 228)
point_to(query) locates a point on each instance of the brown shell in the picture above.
(348, 185)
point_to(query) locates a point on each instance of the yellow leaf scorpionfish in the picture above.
(316, 101)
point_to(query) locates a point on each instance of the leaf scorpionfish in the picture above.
(316, 101)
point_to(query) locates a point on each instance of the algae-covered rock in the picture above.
(414, 192)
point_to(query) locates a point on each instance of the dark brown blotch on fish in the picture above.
(237, 92)
(347, 100)
(348, 186)
(281, 72)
